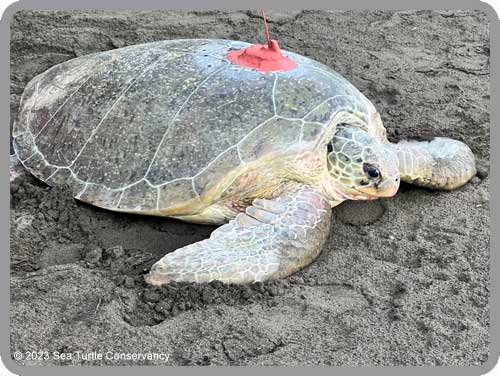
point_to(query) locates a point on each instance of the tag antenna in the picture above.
(266, 28)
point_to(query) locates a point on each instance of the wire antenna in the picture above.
(266, 28)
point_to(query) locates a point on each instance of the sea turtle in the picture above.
(176, 129)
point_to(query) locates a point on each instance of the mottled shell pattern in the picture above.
(155, 125)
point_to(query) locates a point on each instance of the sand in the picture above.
(402, 281)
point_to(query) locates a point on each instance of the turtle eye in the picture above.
(372, 171)
(329, 147)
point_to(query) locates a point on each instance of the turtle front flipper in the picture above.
(271, 240)
(442, 163)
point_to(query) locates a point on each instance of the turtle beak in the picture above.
(388, 188)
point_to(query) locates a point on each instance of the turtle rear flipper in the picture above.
(442, 163)
(273, 239)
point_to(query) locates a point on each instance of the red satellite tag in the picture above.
(262, 58)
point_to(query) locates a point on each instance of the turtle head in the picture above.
(361, 166)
